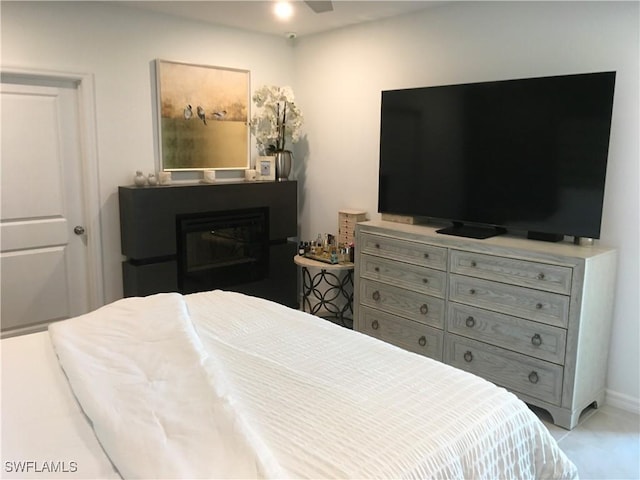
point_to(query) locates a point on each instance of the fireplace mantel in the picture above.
(148, 218)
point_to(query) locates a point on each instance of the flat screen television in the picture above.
(525, 155)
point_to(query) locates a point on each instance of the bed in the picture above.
(223, 385)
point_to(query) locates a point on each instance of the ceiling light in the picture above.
(283, 10)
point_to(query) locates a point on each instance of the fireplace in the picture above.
(222, 249)
(167, 239)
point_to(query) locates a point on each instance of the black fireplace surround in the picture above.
(198, 237)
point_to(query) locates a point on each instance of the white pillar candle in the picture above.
(165, 178)
(209, 176)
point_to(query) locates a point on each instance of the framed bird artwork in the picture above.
(202, 116)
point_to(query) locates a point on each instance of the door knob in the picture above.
(79, 230)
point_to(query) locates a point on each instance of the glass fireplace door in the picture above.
(222, 249)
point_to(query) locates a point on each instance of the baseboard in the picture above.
(622, 401)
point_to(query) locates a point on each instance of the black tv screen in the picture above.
(526, 155)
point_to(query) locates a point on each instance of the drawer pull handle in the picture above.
(533, 377)
(541, 276)
(426, 255)
(536, 340)
(472, 291)
(377, 245)
(425, 280)
(539, 306)
(376, 269)
(375, 325)
(468, 356)
(473, 263)
(424, 309)
(422, 341)
(376, 295)
(471, 322)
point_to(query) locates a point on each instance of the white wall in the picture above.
(340, 75)
(118, 46)
(337, 78)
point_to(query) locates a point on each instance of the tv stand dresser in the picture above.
(533, 317)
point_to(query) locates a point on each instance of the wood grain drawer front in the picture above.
(414, 277)
(404, 251)
(402, 333)
(398, 301)
(520, 373)
(542, 276)
(513, 333)
(544, 307)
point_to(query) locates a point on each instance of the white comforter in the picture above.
(219, 384)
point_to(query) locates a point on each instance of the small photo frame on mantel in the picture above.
(266, 168)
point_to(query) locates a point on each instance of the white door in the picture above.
(44, 264)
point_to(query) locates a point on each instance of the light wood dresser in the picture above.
(531, 316)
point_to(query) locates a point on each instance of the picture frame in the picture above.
(266, 168)
(202, 116)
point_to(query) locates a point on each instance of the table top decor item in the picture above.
(278, 120)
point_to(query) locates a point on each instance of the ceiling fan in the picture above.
(320, 6)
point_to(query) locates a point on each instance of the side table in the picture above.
(337, 298)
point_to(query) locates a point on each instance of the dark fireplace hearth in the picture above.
(198, 237)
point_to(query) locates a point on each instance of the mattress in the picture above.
(220, 384)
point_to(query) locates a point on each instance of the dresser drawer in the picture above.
(542, 276)
(544, 307)
(402, 333)
(530, 376)
(414, 277)
(398, 301)
(513, 333)
(404, 251)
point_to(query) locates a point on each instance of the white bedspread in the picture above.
(45, 435)
(219, 384)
